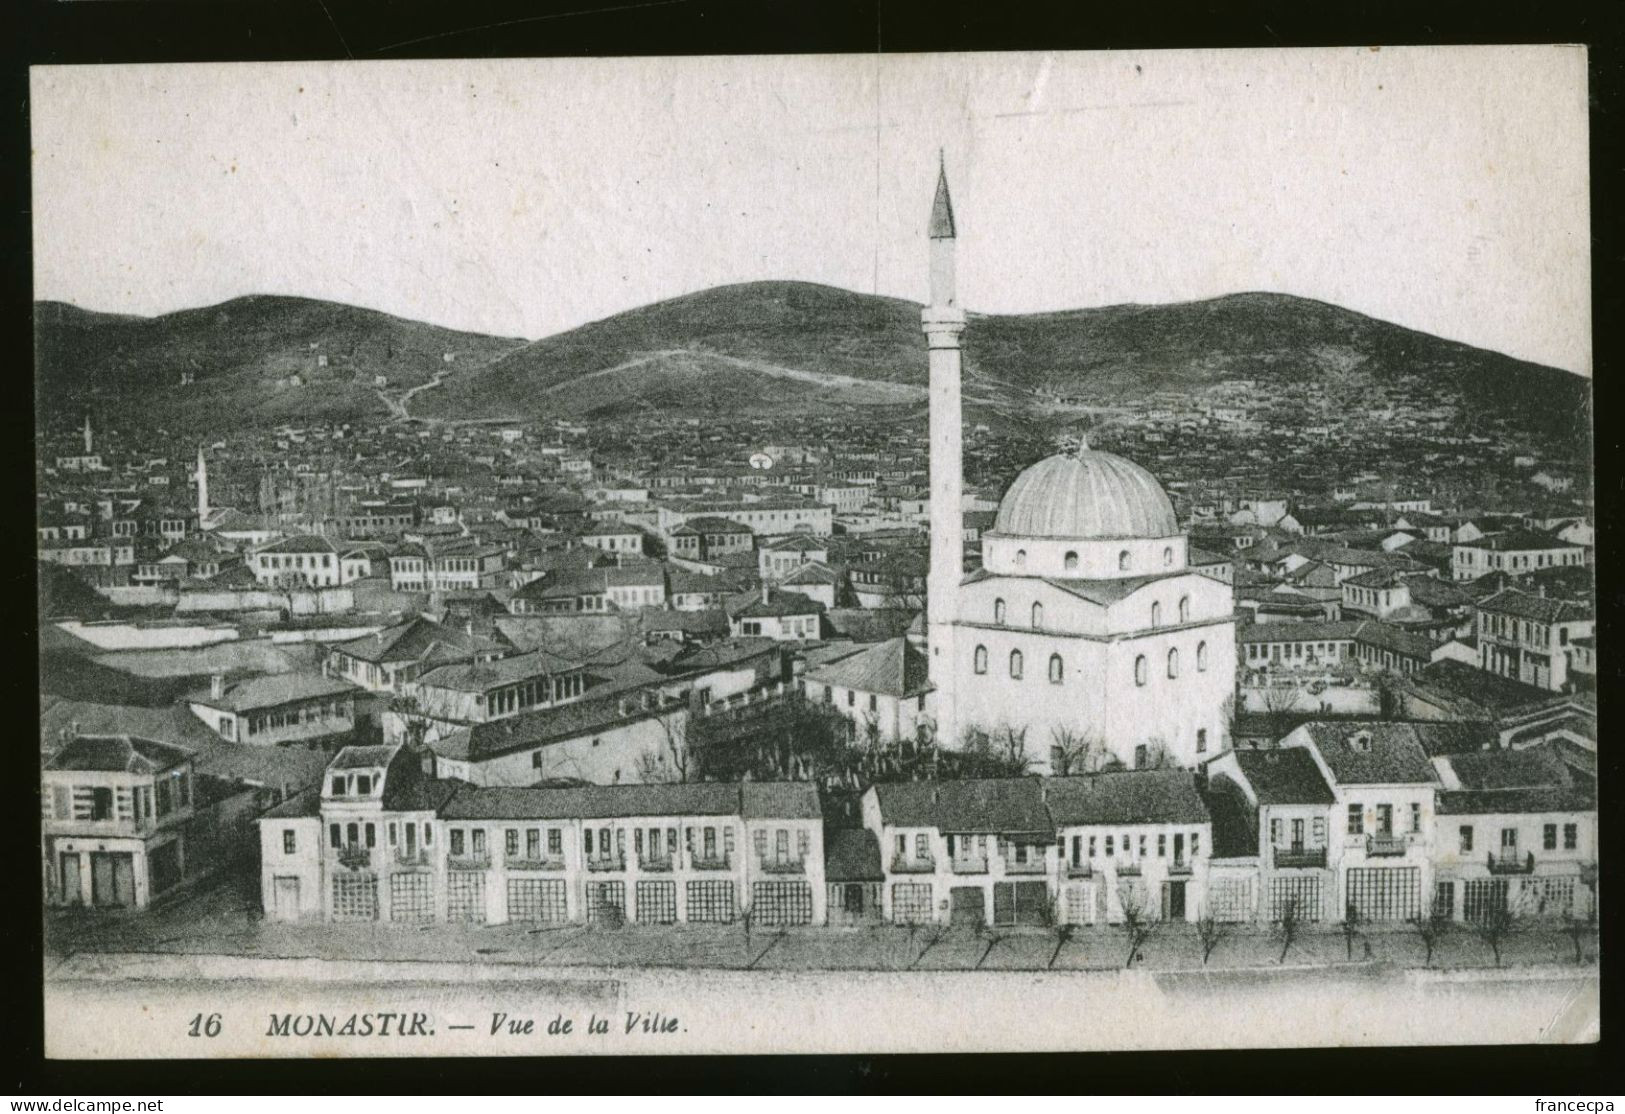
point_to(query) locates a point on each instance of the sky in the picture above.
(1445, 189)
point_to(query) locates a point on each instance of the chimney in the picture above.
(766, 591)
(217, 685)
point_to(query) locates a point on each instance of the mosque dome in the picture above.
(1086, 495)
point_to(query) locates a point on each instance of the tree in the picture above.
(1279, 703)
(1498, 923)
(1210, 933)
(1139, 925)
(667, 762)
(1065, 930)
(1577, 929)
(1288, 924)
(1431, 929)
(1073, 752)
(1389, 694)
(414, 723)
(1351, 929)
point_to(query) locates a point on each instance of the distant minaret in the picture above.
(202, 488)
(943, 321)
(88, 440)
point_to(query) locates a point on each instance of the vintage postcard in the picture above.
(999, 552)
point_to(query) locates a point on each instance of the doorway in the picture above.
(1173, 901)
(286, 897)
(112, 879)
(968, 905)
(72, 886)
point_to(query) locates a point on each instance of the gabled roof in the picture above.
(981, 805)
(891, 668)
(368, 757)
(777, 605)
(485, 675)
(300, 543)
(1126, 797)
(128, 754)
(750, 800)
(1284, 776)
(1524, 605)
(852, 855)
(414, 640)
(270, 692)
(1371, 752)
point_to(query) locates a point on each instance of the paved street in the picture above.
(218, 921)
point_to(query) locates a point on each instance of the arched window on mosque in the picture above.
(1021, 558)
(1122, 561)
(1055, 669)
(1173, 663)
(981, 659)
(1156, 614)
(1184, 609)
(1139, 670)
(1015, 664)
(1168, 555)
(998, 611)
(1070, 561)
(1201, 657)
(1038, 616)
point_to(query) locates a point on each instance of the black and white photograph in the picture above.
(1006, 552)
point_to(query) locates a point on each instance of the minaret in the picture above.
(88, 449)
(943, 321)
(202, 488)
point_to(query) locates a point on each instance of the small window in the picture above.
(1070, 561)
(1571, 837)
(363, 785)
(290, 841)
(1168, 556)
(1201, 740)
(1356, 820)
(1055, 669)
(1123, 561)
(1140, 670)
(338, 785)
(1416, 817)
(980, 659)
(334, 839)
(1184, 609)
(1038, 616)
(1466, 834)
(1015, 664)
(1156, 614)
(1201, 657)
(1548, 841)
(1173, 663)
(1021, 558)
(998, 611)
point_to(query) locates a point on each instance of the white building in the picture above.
(1085, 617)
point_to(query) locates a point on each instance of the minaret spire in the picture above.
(88, 449)
(942, 321)
(202, 488)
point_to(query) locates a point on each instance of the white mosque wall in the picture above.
(1085, 559)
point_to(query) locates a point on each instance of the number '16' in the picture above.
(204, 1027)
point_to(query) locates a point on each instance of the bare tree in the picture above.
(1499, 922)
(413, 721)
(1432, 929)
(1073, 752)
(1288, 925)
(1065, 930)
(1351, 929)
(1139, 925)
(1577, 929)
(1156, 756)
(1279, 703)
(1210, 933)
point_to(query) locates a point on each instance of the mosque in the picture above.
(1085, 624)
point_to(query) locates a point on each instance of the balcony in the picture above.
(1180, 867)
(478, 860)
(655, 864)
(1511, 864)
(355, 857)
(1031, 866)
(918, 864)
(710, 862)
(784, 866)
(553, 862)
(1379, 846)
(606, 864)
(976, 864)
(418, 857)
(1301, 858)
(1128, 870)
(1080, 870)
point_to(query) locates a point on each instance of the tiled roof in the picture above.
(1235, 821)
(271, 692)
(485, 675)
(1284, 776)
(1297, 632)
(751, 800)
(1126, 797)
(529, 730)
(1371, 752)
(118, 753)
(891, 668)
(353, 758)
(1386, 636)
(304, 543)
(1524, 605)
(983, 805)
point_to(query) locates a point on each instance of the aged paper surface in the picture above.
(821, 554)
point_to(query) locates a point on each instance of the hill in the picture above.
(773, 346)
(257, 360)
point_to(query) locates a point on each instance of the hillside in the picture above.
(242, 357)
(765, 346)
